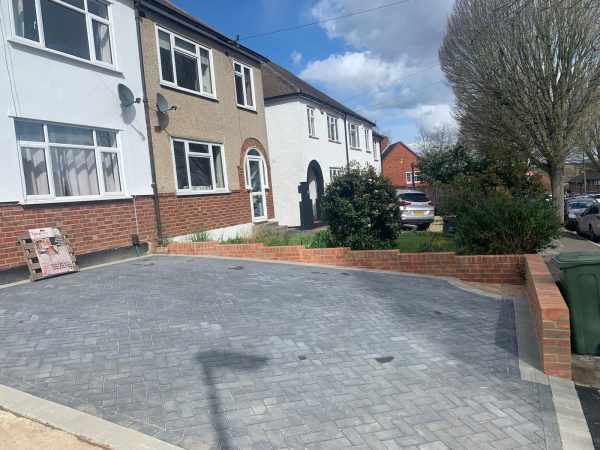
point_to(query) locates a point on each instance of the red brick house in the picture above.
(399, 164)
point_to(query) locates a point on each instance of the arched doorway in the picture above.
(256, 182)
(311, 193)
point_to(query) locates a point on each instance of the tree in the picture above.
(587, 141)
(525, 74)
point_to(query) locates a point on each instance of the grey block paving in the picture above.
(192, 352)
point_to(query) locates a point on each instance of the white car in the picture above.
(589, 222)
(416, 208)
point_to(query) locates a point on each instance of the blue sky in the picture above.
(366, 61)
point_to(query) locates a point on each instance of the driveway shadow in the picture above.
(213, 362)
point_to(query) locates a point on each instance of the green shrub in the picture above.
(502, 211)
(419, 242)
(200, 236)
(362, 210)
(321, 239)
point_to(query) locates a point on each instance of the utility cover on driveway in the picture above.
(274, 355)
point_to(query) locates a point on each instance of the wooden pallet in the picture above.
(35, 270)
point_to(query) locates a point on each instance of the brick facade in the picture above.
(550, 316)
(505, 269)
(396, 162)
(91, 226)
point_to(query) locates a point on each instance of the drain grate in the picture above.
(384, 359)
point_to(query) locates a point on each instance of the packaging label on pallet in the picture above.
(52, 251)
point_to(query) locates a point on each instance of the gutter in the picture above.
(159, 231)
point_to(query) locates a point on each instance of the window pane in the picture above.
(187, 71)
(239, 89)
(110, 169)
(25, 19)
(98, 9)
(76, 3)
(29, 131)
(65, 30)
(200, 173)
(198, 148)
(180, 165)
(237, 67)
(219, 172)
(180, 43)
(35, 171)
(166, 62)
(74, 171)
(248, 87)
(255, 177)
(206, 75)
(102, 42)
(59, 134)
(106, 138)
(258, 206)
(253, 152)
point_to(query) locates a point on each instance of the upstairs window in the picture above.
(66, 161)
(310, 116)
(79, 28)
(332, 128)
(199, 167)
(244, 85)
(367, 140)
(185, 64)
(353, 135)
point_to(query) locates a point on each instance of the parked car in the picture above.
(573, 209)
(416, 208)
(589, 222)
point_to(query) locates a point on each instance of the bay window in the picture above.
(244, 85)
(199, 167)
(79, 28)
(185, 64)
(63, 161)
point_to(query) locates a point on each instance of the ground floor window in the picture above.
(409, 177)
(334, 172)
(64, 161)
(199, 166)
(257, 181)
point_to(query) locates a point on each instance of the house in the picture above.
(211, 156)
(587, 182)
(72, 155)
(399, 164)
(312, 137)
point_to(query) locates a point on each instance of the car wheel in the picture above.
(423, 227)
(577, 230)
(592, 234)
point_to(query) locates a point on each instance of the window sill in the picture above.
(356, 149)
(196, 193)
(32, 44)
(334, 142)
(313, 137)
(173, 86)
(50, 201)
(247, 108)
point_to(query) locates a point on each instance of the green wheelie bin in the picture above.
(580, 280)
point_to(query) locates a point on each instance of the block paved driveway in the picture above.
(241, 354)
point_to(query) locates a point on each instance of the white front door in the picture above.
(256, 180)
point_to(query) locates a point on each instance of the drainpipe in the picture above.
(412, 168)
(346, 139)
(159, 231)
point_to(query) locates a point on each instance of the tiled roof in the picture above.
(391, 147)
(589, 174)
(279, 82)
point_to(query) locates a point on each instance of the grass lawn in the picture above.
(426, 242)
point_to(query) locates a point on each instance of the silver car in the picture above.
(574, 207)
(416, 208)
(589, 222)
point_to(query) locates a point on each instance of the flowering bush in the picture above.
(362, 210)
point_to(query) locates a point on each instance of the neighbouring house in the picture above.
(312, 137)
(210, 153)
(399, 164)
(587, 182)
(72, 156)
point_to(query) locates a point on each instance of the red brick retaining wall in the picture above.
(484, 269)
(91, 226)
(550, 316)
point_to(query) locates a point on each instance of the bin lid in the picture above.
(567, 260)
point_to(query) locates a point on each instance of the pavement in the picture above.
(201, 352)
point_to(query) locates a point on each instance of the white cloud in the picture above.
(430, 116)
(296, 57)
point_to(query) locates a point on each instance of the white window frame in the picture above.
(356, 144)
(235, 74)
(196, 56)
(334, 172)
(41, 42)
(333, 121)
(265, 182)
(46, 146)
(209, 155)
(310, 117)
(367, 140)
(409, 177)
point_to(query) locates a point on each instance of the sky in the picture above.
(382, 63)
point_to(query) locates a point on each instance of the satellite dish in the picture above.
(163, 105)
(126, 96)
